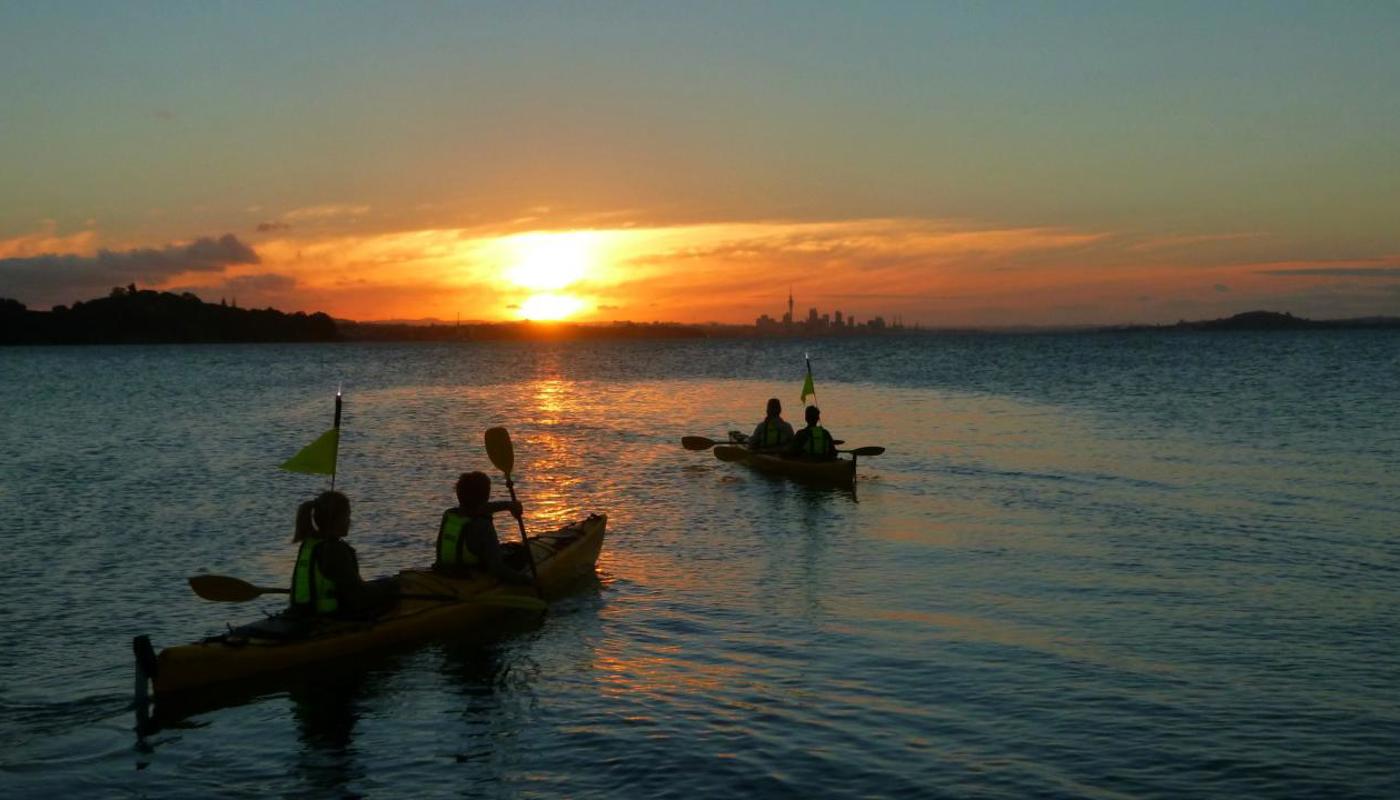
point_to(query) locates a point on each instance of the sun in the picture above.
(548, 307)
(547, 262)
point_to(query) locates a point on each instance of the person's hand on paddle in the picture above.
(516, 510)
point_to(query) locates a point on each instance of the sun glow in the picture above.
(545, 307)
(547, 262)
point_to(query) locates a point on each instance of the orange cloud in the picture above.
(937, 272)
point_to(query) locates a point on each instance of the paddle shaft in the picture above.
(524, 539)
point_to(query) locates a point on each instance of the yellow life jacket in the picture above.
(452, 550)
(817, 441)
(310, 587)
(772, 433)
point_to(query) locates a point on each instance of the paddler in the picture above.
(813, 441)
(467, 538)
(773, 432)
(326, 580)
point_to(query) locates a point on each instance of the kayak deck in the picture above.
(281, 642)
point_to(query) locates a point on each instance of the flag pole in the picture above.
(337, 427)
(808, 357)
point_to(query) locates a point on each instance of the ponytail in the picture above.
(306, 524)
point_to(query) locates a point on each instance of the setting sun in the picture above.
(550, 261)
(547, 307)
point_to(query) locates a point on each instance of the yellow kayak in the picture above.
(281, 642)
(839, 472)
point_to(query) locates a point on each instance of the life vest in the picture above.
(310, 587)
(772, 433)
(452, 550)
(818, 441)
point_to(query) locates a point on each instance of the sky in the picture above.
(954, 164)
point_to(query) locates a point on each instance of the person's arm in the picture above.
(487, 548)
(498, 506)
(830, 445)
(337, 561)
(798, 440)
(785, 432)
(757, 438)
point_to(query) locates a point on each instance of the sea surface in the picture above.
(1092, 565)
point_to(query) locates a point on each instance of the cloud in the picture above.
(326, 212)
(1335, 272)
(608, 308)
(251, 291)
(265, 227)
(266, 282)
(59, 278)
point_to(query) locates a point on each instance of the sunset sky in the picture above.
(956, 164)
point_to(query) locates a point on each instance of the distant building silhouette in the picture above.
(817, 323)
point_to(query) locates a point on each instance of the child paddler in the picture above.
(326, 580)
(467, 540)
(813, 442)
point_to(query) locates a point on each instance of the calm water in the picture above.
(1098, 566)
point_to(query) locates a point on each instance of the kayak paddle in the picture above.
(702, 443)
(697, 443)
(224, 589)
(864, 451)
(502, 454)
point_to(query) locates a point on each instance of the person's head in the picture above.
(473, 489)
(775, 407)
(813, 414)
(326, 517)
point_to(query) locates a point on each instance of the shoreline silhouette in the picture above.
(143, 316)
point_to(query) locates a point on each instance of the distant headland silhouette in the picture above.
(142, 316)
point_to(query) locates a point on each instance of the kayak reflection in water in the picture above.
(813, 442)
(467, 538)
(773, 432)
(326, 580)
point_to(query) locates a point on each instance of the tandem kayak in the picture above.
(840, 472)
(282, 642)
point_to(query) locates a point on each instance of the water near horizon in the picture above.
(1112, 565)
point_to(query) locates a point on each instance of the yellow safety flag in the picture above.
(317, 458)
(807, 387)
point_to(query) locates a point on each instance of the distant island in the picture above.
(133, 316)
(1265, 321)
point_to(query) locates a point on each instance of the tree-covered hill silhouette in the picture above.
(132, 316)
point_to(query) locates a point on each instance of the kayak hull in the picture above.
(562, 557)
(839, 473)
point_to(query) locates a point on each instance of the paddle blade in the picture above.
(697, 443)
(223, 589)
(731, 454)
(866, 451)
(500, 450)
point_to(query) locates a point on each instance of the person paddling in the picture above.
(813, 441)
(773, 432)
(326, 579)
(467, 538)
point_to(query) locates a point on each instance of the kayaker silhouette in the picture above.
(326, 579)
(813, 441)
(467, 540)
(773, 431)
